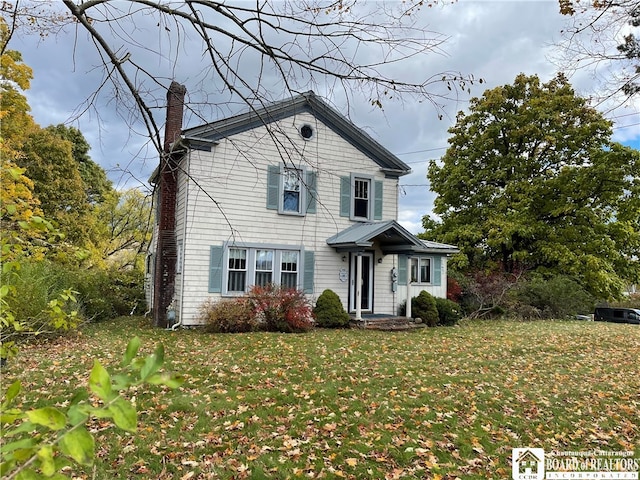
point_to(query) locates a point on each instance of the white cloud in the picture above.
(493, 40)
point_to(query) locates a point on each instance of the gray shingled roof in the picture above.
(305, 102)
(390, 235)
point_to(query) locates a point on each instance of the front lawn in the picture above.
(439, 403)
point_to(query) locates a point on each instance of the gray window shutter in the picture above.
(309, 266)
(345, 196)
(402, 269)
(437, 270)
(273, 187)
(215, 269)
(311, 192)
(377, 205)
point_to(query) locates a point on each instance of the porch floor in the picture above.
(385, 322)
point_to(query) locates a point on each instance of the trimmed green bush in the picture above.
(449, 312)
(329, 312)
(424, 306)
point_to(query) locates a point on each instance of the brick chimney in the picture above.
(166, 249)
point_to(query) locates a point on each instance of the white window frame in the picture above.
(419, 262)
(369, 179)
(302, 195)
(297, 266)
(251, 270)
(228, 270)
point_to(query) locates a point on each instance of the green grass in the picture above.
(439, 403)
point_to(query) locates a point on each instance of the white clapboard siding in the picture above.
(222, 198)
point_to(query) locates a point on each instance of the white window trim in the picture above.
(251, 248)
(302, 200)
(371, 199)
(420, 258)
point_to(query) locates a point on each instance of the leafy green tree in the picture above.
(96, 184)
(532, 181)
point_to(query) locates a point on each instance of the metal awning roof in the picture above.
(389, 235)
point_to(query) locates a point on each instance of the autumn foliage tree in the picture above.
(532, 181)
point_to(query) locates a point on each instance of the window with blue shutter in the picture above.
(377, 206)
(437, 271)
(312, 192)
(361, 197)
(309, 271)
(273, 187)
(290, 190)
(421, 270)
(345, 196)
(216, 267)
(402, 269)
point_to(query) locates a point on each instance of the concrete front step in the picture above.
(386, 323)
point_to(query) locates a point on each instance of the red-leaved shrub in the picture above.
(278, 309)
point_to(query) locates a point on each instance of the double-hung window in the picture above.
(361, 197)
(289, 262)
(361, 191)
(237, 268)
(291, 190)
(264, 267)
(421, 270)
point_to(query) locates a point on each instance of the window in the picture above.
(237, 270)
(420, 270)
(233, 269)
(361, 197)
(291, 190)
(264, 267)
(289, 270)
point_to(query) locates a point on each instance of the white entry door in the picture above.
(366, 300)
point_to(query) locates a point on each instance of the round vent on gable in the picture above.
(306, 131)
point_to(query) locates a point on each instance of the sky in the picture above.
(491, 40)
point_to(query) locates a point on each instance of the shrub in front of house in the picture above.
(424, 306)
(278, 309)
(232, 315)
(449, 312)
(329, 312)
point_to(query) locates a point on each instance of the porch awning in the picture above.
(391, 237)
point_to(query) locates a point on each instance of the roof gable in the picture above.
(307, 102)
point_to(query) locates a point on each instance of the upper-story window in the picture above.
(361, 189)
(361, 197)
(291, 190)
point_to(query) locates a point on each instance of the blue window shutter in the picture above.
(402, 269)
(377, 205)
(273, 187)
(345, 196)
(437, 270)
(309, 266)
(215, 269)
(311, 192)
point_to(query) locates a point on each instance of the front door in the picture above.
(366, 300)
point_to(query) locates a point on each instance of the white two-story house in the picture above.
(291, 193)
